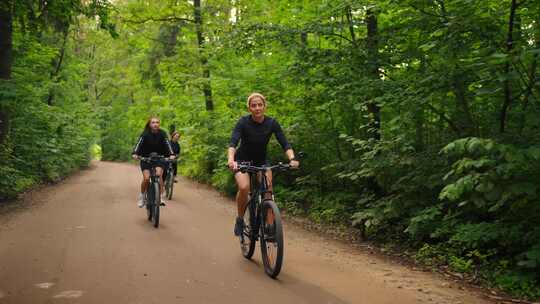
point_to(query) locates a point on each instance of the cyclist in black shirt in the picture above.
(152, 140)
(253, 132)
(175, 136)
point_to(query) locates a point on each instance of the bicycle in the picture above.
(262, 220)
(169, 181)
(153, 194)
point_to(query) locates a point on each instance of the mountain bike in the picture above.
(263, 220)
(153, 194)
(169, 181)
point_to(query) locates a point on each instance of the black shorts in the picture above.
(147, 166)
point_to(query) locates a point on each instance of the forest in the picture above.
(419, 119)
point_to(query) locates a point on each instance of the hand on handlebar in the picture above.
(172, 157)
(135, 156)
(233, 165)
(294, 164)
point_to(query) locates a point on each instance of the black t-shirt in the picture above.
(175, 147)
(153, 142)
(254, 138)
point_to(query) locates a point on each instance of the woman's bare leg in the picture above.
(270, 212)
(242, 181)
(146, 181)
(159, 173)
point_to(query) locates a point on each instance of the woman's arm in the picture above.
(137, 149)
(235, 139)
(167, 145)
(292, 160)
(230, 158)
(280, 136)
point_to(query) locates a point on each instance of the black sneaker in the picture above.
(239, 226)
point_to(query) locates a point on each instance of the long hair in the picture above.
(147, 128)
(174, 133)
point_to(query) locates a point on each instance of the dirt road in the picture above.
(85, 241)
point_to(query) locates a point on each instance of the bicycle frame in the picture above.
(259, 187)
(153, 174)
(154, 179)
(264, 220)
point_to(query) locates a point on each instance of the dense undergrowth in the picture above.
(46, 140)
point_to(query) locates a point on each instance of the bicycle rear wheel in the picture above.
(271, 238)
(156, 205)
(248, 237)
(169, 184)
(149, 202)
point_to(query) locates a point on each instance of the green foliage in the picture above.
(516, 282)
(452, 170)
(52, 124)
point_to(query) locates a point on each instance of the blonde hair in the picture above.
(254, 95)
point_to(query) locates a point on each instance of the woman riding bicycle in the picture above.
(152, 140)
(175, 136)
(254, 132)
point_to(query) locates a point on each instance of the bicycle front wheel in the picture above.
(156, 205)
(248, 237)
(149, 202)
(271, 238)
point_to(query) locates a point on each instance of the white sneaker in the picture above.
(163, 201)
(141, 201)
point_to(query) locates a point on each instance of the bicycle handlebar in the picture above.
(156, 159)
(247, 167)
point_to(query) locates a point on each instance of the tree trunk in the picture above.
(507, 68)
(207, 88)
(58, 66)
(419, 119)
(6, 42)
(532, 77)
(172, 39)
(349, 15)
(6, 57)
(303, 39)
(463, 117)
(373, 63)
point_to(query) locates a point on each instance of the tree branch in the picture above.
(428, 13)
(507, 85)
(445, 118)
(158, 19)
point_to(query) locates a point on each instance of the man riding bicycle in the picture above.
(152, 140)
(253, 132)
